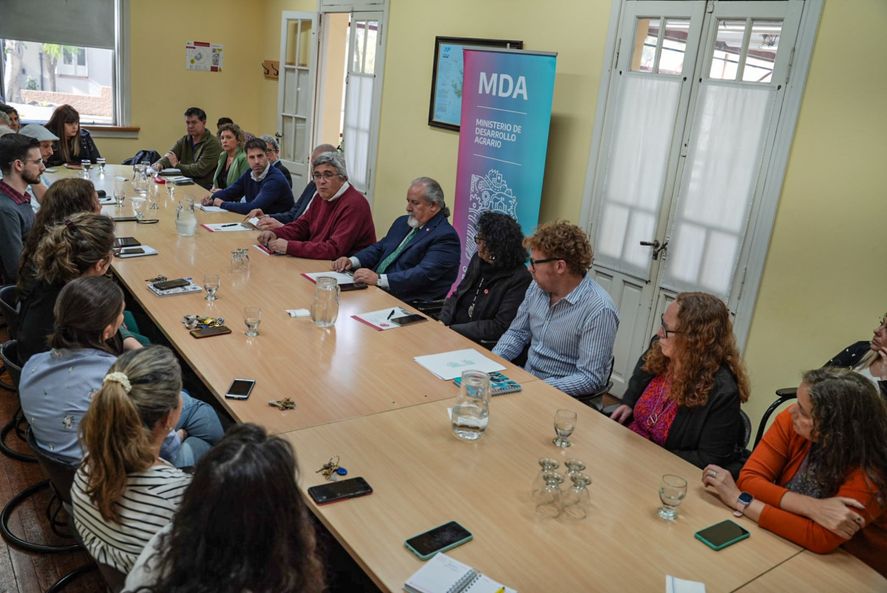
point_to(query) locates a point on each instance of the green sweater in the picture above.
(238, 167)
(196, 161)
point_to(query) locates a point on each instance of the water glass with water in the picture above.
(211, 283)
(101, 163)
(252, 317)
(325, 309)
(672, 490)
(119, 190)
(471, 414)
(86, 164)
(138, 207)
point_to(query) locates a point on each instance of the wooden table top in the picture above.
(423, 476)
(829, 573)
(346, 371)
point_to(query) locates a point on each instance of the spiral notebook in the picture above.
(443, 574)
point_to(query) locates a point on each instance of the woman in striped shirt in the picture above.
(124, 492)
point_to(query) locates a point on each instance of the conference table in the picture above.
(360, 396)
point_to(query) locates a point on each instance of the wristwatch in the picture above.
(743, 501)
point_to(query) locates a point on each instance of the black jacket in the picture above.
(496, 305)
(850, 356)
(704, 434)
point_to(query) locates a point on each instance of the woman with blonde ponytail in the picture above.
(124, 492)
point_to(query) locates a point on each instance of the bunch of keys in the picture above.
(198, 322)
(331, 470)
(283, 404)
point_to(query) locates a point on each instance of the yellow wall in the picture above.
(823, 285)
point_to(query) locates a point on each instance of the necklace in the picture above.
(474, 300)
(662, 402)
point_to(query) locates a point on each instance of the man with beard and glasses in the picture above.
(22, 165)
(418, 259)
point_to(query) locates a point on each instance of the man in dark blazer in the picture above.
(419, 257)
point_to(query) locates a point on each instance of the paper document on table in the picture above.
(341, 277)
(449, 365)
(211, 208)
(381, 319)
(226, 227)
(443, 574)
(676, 585)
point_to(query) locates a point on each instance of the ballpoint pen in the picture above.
(224, 226)
(390, 314)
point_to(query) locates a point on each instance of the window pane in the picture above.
(762, 49)
(38, 77)
(646, 35)
(674, 46)
(728, 46)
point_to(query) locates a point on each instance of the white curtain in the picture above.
(717, 187)
(636, 168)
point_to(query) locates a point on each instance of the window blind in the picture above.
(84, 23)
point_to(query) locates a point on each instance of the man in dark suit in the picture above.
(419, 257)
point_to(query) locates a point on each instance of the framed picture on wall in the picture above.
(445, 108)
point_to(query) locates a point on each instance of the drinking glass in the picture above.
(576, 501)
(548, 499)
(672, 490)
(474, 399)
(138, 207)
(171, 189)
(119, 190)
(546, 464)
(211, 286)
(86, 164)
(252, 317)
(574, 466)
(564, 425)
(101, 163)
(325, 309)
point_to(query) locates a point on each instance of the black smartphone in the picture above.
(129, 251)
(240, 388)
(124, 219)
(352, 286)
(126, 242)
(350, 488)
(168, 284)
(440, 539)
(408, 319)
(723, 534)
(206, 332)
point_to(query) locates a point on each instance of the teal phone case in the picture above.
(716, 547)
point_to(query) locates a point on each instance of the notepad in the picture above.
(449, 365)
(443, 574)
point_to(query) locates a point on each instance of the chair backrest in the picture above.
(782, 396)
(59, 471)
(10, 307)
(113, 577)
(9, 355)
(745, 437)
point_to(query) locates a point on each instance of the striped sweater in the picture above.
(148, 504)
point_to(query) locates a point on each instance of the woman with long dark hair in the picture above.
(686, 390)
(56, 386)
(494, 284)
(242, 526)
(819, 475)
(74, 144)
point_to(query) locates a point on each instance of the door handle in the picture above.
(657, 247)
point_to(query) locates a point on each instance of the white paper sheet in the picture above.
(211, 208)
(676, 585)
(226, 227)
(449, 365)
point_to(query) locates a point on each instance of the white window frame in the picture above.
(761, 225)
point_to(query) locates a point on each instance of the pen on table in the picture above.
(390, 314)
(230, 224)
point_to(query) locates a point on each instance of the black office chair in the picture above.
(596, 400)
(9, 356)
(430, 308)
(10, 308)
(782, 396)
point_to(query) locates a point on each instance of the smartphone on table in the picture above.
(408, 319)
(168, 284)
(207, 332)
(350, 488)
(723, 534)
(240, 388)
(126, 242)
(440, 539)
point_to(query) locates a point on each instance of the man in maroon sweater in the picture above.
(339, 223)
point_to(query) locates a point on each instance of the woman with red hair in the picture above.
(686, 390)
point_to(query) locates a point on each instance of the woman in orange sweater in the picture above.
(819, 475)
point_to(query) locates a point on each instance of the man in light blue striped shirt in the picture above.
(566, 318)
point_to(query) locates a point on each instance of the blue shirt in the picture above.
(270, 193)
(571, 342)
